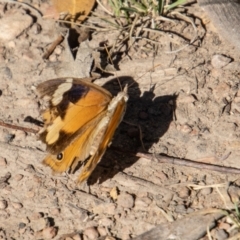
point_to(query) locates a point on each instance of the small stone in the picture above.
(91, 233)
(221, 91)
(114, 193)
(184, 192)
(220, 61)
(125, 200)
(22, 230)
(180, 209)
(102, 231)
(206, 191)
(58, 50)
(52, 191)
(107, 208)
(3, 162)
(140, 204)
(40, 224)
(7, 190)
(3, 204)
(17, 205)
(49, 232)
(55, 211)
(77, 237)
(221, 234)
(22, 225)
(18, 177)
(109, 238)
(106, 222)
(36, 216)
(36, 28)
(6, 73)
(25, 220)
(53, 58)
(30, 194)
(185, 128)
(224, 225)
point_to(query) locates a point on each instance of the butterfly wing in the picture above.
(75, 108)
(115, 114)
(73, 104)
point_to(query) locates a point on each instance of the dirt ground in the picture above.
(186, 100)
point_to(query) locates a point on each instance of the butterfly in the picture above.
(79, 123)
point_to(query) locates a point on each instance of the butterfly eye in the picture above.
(60, 156)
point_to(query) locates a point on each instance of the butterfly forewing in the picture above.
(80, 102)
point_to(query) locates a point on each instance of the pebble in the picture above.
(58, 50)
(224, 225)
(36, 28)
(106, 222)
(3, 162)
(77, 237)
(221, 91)
(114, 193)
(30, 194)
(140, 203)
(109, 238)
(6, 73)
(220, 61)
(16, 205)
(102, 231)
(185, 128)
(183, 192)
(53, 58)
(55, 211)
(7, 190)
(221, 234)
(107, 208)
(36, 216)
(13, 24)
(3, 204)
(125, 200)
(206, 191)
(180, 209)
(91, 233)
(49, 232)
(18, 177)
(22, 225)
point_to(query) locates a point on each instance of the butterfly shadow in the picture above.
(151, 114)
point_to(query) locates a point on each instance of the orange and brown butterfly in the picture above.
(79, 122)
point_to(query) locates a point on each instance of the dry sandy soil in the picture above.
(187, 104)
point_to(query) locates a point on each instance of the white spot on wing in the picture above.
(62, 88)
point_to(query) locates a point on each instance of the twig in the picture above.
(189, 163)
(8, 125)
(52, 47)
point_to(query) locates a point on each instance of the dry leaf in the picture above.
(78, 9)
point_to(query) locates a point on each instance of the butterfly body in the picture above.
(79, 123)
